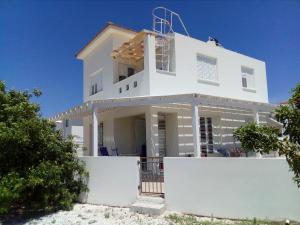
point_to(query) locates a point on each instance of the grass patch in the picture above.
(175, 219)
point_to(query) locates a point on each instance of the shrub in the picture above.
(262, 138)
(39, 169)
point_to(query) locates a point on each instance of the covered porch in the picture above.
(188, 125)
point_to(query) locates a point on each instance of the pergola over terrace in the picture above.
(132, 50)
(196, 101)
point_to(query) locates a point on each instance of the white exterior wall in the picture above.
(232, 188)
(96, 60)
(229, 73)
(87, 136)
(124, 134)
(184, 80)
(75, 129)
(172, 134)
(112, 181)
(77, 133)
(100, 59)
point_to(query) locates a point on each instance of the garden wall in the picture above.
(232, 187)
(112, 181)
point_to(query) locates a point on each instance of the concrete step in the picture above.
(149, 205)
(144, 198)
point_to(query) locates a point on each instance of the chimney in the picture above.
(214, 41)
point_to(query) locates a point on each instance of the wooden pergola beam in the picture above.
(131, 50)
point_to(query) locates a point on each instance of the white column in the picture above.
(196, 132)
(256, 115)
(149, 60)
(94, 132)
(149, 53)
(152, 132)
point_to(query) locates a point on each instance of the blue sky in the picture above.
(39, 39)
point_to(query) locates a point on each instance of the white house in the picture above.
(161, 93)
(72, 128)
(165, 96)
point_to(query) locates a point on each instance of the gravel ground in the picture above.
(86, 214)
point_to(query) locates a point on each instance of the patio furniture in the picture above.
(103, 151)
(224, 152)
(122, 77)
(235, 152)
(114, 152)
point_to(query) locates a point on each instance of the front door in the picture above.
(152, 176)
(152, 168)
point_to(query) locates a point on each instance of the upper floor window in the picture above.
(96, 82)
(207, 68)
(165, 53)
(248, 81)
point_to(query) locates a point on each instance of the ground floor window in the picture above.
(100, 134)
(206, 135)
(162, 145)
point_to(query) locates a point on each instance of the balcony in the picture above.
(129, 58)
(130, 86)
(125, 70)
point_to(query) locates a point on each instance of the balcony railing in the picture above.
(129, 84)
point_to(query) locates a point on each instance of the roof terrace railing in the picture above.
(163, 19)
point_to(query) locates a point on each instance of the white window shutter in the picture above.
(207, 68)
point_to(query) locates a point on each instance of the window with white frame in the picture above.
(248, 80)
(207, 68)
(96, 82)
(165, 54)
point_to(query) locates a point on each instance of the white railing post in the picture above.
(196, 132)
(94, 132)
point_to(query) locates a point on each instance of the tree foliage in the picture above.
(250, 133)
(39, 169)
(263, 138)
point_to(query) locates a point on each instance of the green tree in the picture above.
(39, 169)
(263, 138)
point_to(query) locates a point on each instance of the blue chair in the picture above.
(224, 152)
(103, 151)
